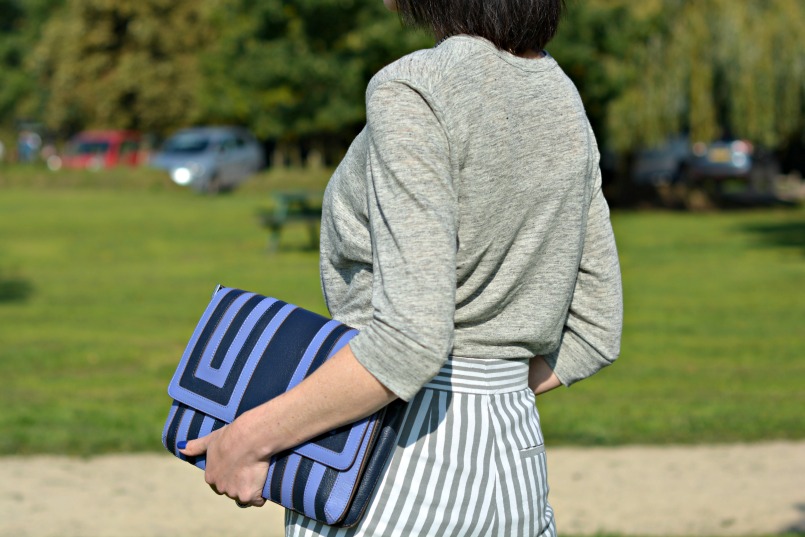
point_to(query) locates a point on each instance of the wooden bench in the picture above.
(292, 206)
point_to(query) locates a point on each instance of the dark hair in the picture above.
(513, 25)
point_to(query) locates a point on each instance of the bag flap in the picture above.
(339, 448)
(247, 349)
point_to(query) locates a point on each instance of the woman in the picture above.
(466, 235)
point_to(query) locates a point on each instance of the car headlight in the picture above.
(184, 175)
(740, 160)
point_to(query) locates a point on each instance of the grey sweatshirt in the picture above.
(467, 218)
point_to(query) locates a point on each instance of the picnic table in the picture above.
(292, 206)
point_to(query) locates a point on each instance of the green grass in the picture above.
(118, 276)
(714, 345)
(117, 266)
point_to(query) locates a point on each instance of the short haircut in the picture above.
(513, 25)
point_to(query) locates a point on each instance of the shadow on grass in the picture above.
(14, 289)
(779, 235)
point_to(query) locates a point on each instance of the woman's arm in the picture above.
(341, 391)
(592, 333)
(541, 377)
(412, 209)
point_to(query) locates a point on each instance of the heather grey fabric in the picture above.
(467, 219)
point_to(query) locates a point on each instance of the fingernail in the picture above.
(181, 444)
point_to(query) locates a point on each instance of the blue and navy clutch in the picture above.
(246, 350)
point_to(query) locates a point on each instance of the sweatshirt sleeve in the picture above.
(592, 333)
(412, 207)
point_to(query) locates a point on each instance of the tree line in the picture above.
(295, 71)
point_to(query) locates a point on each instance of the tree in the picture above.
(121, 63)
(10, 57)
(20, 23)
(663, 67)
(297, 71)
(595, 44)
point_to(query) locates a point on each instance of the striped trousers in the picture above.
(469, 461)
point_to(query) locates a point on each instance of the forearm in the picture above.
(341, 391)
(541, 377)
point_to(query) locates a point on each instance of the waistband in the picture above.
(481, 375)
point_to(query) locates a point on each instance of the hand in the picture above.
(541, 378)
(233, 468)
(238, 454)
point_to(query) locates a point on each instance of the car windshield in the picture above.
(89, 147)
(186, 143)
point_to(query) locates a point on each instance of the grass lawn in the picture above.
(713, 347)
(111, 271)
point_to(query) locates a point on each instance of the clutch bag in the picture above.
(245, 350)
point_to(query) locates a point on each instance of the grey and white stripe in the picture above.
(469, 462)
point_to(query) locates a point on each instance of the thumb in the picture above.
(194, 448)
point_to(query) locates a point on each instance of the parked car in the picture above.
(722, 159)
(103, 149)
(663, 164)
(679, 161)
(210, 159)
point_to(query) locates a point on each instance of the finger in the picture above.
(194, 448)
(254, 502)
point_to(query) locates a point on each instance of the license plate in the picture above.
(719, 154)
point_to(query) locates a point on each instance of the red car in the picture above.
(103, 149)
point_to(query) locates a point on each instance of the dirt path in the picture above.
(667, 491)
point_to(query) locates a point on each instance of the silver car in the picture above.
(210, 159)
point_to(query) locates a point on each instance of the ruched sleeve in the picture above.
(592, 332)
(412, 208)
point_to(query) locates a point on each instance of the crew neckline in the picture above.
(544, 63)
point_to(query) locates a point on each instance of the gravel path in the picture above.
(744, 490)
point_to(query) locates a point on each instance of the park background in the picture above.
(104, 273)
